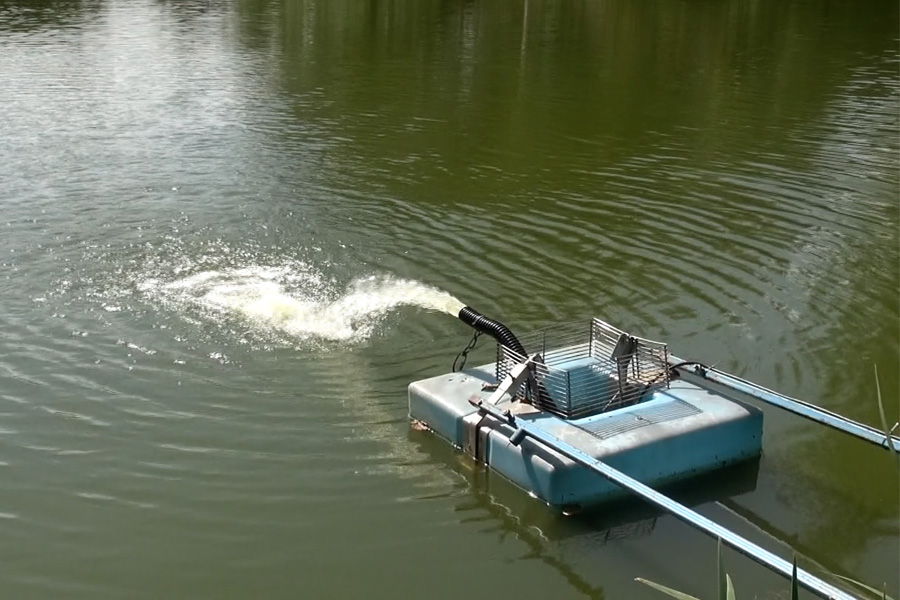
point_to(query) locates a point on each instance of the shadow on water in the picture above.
(548, 534)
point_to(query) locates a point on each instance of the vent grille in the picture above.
(587, 369)
(613, 425)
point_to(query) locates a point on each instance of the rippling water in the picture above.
(229, 231)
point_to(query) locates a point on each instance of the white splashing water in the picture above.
(297, 302)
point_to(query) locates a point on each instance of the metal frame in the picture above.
(523, 429)
(619, 356)
(581, 375)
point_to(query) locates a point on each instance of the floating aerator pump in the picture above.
(495, 329)
(600, 413)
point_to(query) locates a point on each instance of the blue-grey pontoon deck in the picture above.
(672, 434)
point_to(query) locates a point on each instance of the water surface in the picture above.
(226, 227)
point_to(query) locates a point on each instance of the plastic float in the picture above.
(593, 413)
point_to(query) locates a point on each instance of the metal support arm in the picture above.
(526, 429)
(799, 407)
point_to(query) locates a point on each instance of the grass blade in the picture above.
(726, 588)
(879, 593)
(721, 583)
(667, 590)
(884, 424)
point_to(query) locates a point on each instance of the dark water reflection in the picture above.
(722, 176)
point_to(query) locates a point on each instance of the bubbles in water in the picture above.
(381, 294)
(218, 291)
(297, 301)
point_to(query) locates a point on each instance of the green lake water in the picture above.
(226, 228)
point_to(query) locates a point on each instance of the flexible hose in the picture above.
(504, 337)
(495, 329)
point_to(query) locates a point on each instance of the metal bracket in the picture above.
(471, 427)
(518, 375)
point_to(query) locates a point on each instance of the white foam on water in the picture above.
(296, 301)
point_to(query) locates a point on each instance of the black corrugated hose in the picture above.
(495, 329)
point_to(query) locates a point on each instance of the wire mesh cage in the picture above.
(585, 371)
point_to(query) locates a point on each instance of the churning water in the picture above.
(294, 301)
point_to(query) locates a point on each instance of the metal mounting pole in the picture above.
(761, 555)
(799, 407)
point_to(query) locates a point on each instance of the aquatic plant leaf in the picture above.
(721, 582)
(667, 590)
(884, 424)
(882, 593)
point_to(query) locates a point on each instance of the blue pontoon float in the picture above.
(590, 413)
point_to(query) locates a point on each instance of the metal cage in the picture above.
(585, 371)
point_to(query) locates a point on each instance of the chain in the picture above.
(459, 362)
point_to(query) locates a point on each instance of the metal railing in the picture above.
(586, 369)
